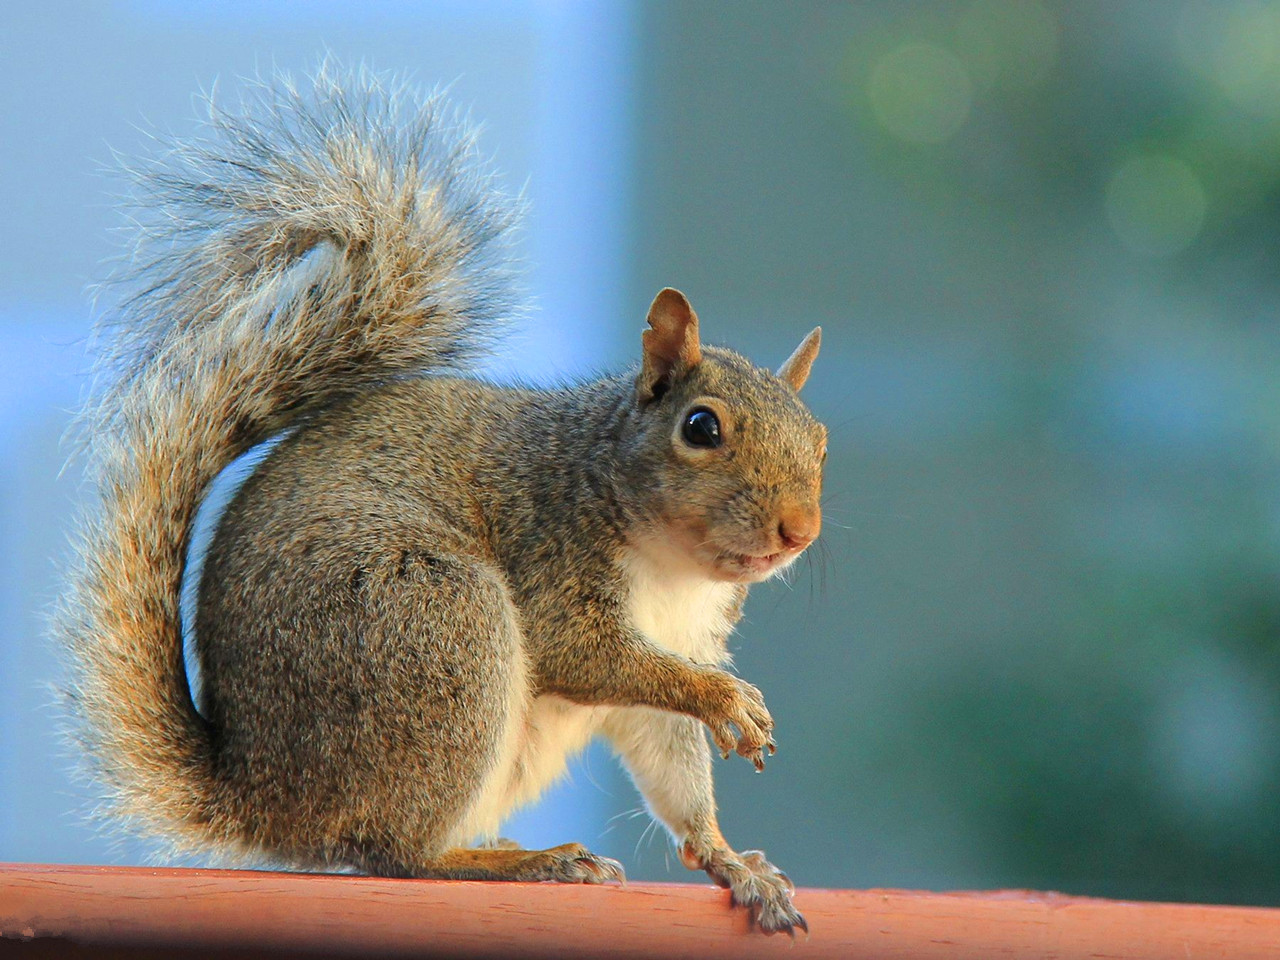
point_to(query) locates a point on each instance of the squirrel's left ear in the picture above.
(670, 346)
(795, 370)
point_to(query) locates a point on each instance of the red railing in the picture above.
(132, 911)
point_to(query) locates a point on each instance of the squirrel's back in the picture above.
(329, 237)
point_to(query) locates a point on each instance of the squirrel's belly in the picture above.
(491, 805)
(534, 755)
(556, 730)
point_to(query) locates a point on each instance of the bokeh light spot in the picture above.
(1237, 47)
(920, 93)
(1248, 55)
(1156, 204)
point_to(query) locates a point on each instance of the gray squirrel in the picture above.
(433, 590)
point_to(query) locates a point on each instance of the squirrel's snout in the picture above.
(799, 526)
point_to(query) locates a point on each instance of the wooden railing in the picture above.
(117, 912)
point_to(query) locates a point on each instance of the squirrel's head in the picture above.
(732, 458)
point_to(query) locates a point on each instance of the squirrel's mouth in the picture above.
(723, 563)
(755, 567)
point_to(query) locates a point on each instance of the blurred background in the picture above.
(1039, 643)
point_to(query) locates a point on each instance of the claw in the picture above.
(788, 926)
(757, 884)
(770, 931)
(613, 871)
(773, 747)
(602, 869)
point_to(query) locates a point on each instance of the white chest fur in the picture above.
(672, 605)
(678, 608)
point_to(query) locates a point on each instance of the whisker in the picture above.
(629, 814)
(591, 777)
(808, 563)
(649, 832)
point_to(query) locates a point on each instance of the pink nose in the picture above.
(799, 526)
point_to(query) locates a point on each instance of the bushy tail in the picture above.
(320, 241)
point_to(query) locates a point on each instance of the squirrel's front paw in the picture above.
(736, 703)
(754, 882)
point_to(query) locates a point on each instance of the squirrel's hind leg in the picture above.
(395, 705)
(567, 863)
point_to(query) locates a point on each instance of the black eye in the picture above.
(701, 428)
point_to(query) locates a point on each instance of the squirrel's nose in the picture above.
(798, 527)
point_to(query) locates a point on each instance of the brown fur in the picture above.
(426, 563)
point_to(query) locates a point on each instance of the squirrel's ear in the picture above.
(670, 345)
(795, 370)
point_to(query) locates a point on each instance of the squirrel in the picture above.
(433, 589)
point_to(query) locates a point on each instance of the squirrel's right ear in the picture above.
(670, 347)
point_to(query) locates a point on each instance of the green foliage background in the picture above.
(1041, 646)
